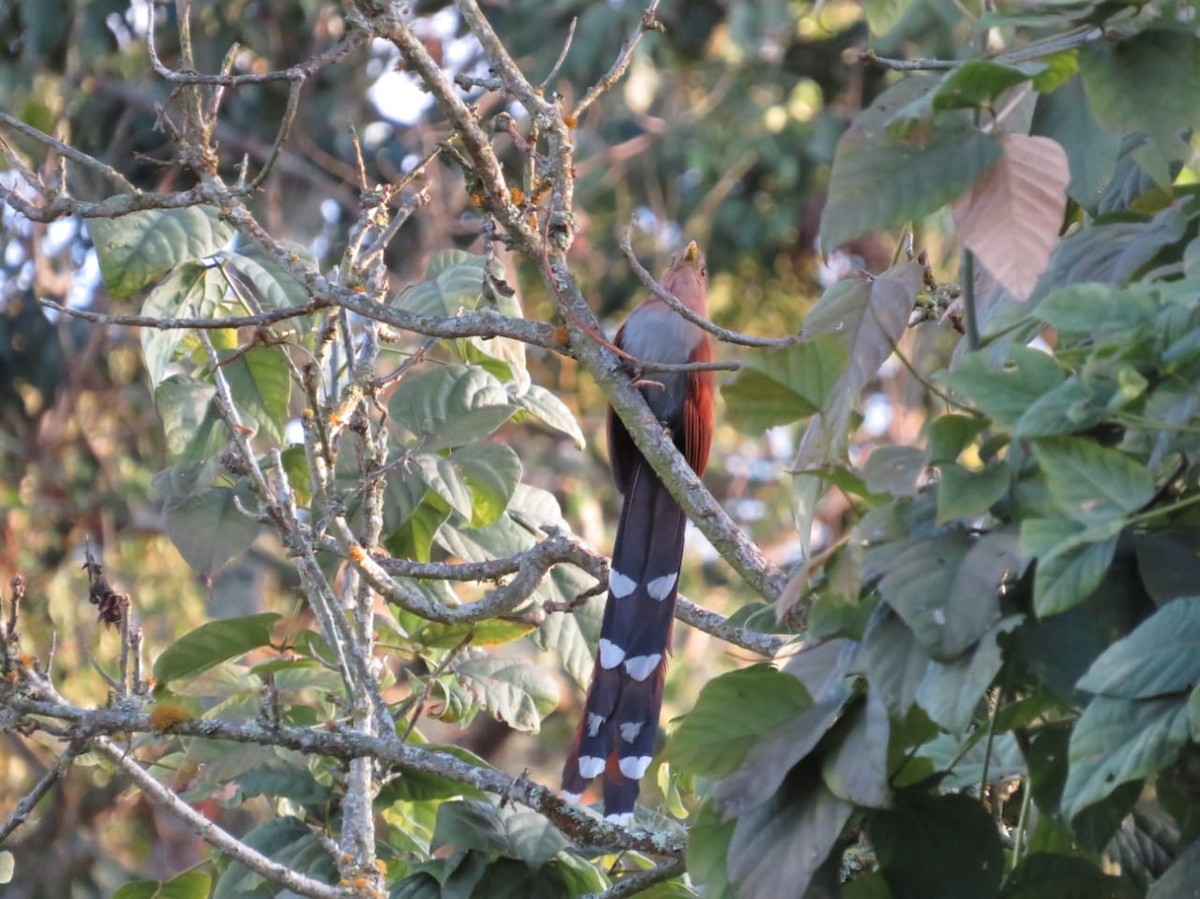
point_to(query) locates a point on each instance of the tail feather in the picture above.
(620, 721)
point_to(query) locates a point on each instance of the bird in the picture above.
(617, 730)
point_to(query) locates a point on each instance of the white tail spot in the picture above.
(572, 798)
(619, 585)
(630, 731)
(660, 587)
(641, 667)
(593, 723)
(634, 767)
(590, 766)
(624, 819)
(611, 655)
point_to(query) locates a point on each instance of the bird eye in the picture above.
(704, 271)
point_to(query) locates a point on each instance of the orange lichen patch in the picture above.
(165, 716)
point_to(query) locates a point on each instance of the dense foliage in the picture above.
(361, 368)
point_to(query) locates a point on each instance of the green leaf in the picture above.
(1075, 405)
(946, 588)
(1066, 117)
(778, 847)
(444, 481)
(884, 15)
(1067, 574)
(950, 692)
(767, 765)
(209, 529)
(867, 886)
(287, 841)
(141, 247)
(1161, 656)
(894, 660)
(260, 278)
(780, 386)
(1099, 309)
(1179, 881)
(295, 465)
(707, 847)
(1090, 483)
(454, 280)
(1169, 568)
(471, 824)
(1044, 875)
(894, 470)
(532, 838)
(975, 83)
(1053, 71)
(137, 889)
(261, 384)
(513, 690)
(948, 435)
(578, 876)
(1117, 740)
(573, 634)
(970, 494)
(213, 643)
(502, 356)
(1005, 394)
(490, 632)
(938, 847)
(878, 181)
(1112, 252)
(192, 424)
(1124, 82)
(491, 472)
(855, 765)
(1057, 650)
(868, 315)
(450, 405)
(188, 885)
(547, 408)
(417, 786)
(957, 760)
(191, 291)
(710, 742)
(290, 782)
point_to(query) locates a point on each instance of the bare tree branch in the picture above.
(215, 836)
(580, 825)
(722, 334)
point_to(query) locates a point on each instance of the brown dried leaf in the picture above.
(1011, 216)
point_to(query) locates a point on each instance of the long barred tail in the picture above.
(620, 720)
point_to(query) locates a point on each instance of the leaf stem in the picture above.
(970, 316)
(1022, 820)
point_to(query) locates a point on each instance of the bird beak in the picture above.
(692, 253)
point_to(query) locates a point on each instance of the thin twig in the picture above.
(27, 804)
(66, 150)
(430, 680)
(1036, 50)
(296, 73)
(723, 334)
(633, 884)
(167, 800)
(648, 22)
(562, 56)
(281, 136)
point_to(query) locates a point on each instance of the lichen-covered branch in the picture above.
(41, 704)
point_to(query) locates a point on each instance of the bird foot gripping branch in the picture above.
(620, 720)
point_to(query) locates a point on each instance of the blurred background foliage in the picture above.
(722, 131)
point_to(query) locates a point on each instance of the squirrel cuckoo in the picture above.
(620, 720)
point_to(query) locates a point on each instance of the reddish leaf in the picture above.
(1011, 216)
